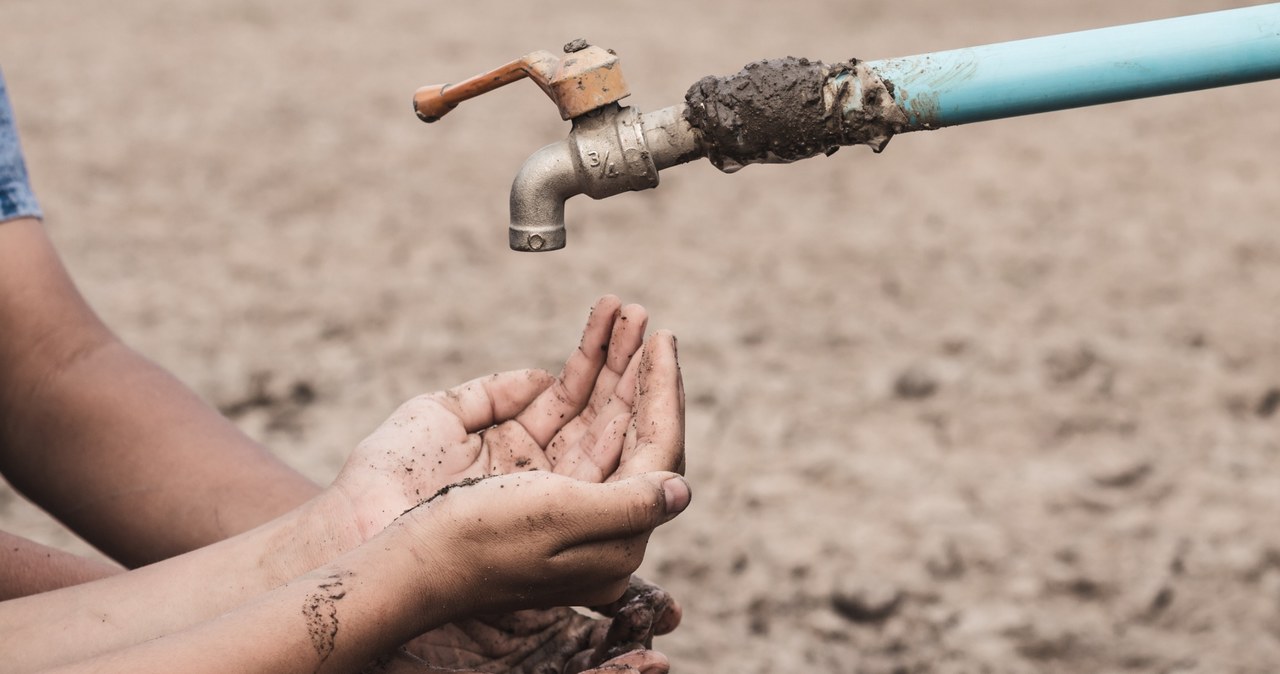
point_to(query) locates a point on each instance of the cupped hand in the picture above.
(599, 420)
(633, 422)
(508, 422)
(616, 411)
(533, 540)
(614, 637)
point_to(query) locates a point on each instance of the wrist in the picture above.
(428, 575)
(313, 535)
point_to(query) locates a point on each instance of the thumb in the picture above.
(631, 507)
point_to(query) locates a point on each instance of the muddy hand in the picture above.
(635, 662)
(534, 539)
(632, 421)
(561, 640)
(486, 558)
(644, 611)
(558, 639)
(582, 420)
(497, 424)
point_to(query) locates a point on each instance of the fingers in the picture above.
(590, 445)
(631, 628)
(596, 455)
(655, 441)
(483, 402)
(617, 511)
(637, 662)
(667, 612)
(668, 619)
(625, 390)
(538, 540)
(627, 338)
(593, 451)
(643, 611)
(571, 391)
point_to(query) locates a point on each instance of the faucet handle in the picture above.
(584, 79)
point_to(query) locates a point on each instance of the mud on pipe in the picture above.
(773, 111)
(789, 109)
(783, 110)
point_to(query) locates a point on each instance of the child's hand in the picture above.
(611, 413)
(510, 422)
(647, 399)
(535, 540)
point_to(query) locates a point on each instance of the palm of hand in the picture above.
(573, 424)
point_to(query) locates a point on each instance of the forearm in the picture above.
(139, 466)
(105, 440)
(28, 568)
(335, 619)
(131, 608)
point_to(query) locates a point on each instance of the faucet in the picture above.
(784, 110)
(611, 148)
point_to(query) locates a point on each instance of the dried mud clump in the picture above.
(784, 110)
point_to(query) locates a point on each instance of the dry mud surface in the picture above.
(1005, 398)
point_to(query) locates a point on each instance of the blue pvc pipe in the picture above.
(1091, 67)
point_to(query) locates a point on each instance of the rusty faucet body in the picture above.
(784, 110)
(611, 148)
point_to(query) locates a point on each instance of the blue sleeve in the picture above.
(16, 198)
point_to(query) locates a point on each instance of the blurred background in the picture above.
(1000, 399)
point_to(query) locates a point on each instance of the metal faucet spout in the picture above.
(545, 181)
(611, 150)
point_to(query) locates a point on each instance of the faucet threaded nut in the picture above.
(536, 239)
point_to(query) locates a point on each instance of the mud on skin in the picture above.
(465, 482)
(321, 613)
(774, 111)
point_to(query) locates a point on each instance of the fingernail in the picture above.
(676, 491)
